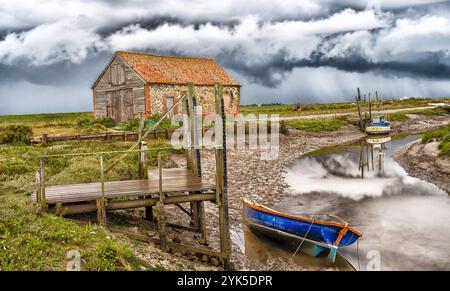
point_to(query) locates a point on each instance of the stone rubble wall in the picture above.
(205, 97)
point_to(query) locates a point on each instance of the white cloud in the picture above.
(50, 43)
(428, 34)
(254, 39)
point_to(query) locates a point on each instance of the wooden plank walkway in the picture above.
(174, 180)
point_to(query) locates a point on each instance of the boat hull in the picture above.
(314, 230)
(378, 129)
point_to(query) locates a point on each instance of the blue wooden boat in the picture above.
(318, 235)
(378, 125)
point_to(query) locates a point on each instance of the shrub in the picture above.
(16, 134)
(165, 123)
(85, 123)
(106, 122)
(89, 123)
(131, 125)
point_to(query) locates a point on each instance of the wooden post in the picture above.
(143, 174)
(193, 131)
(101, 207)
(221, 180)
(143, 160)
(44, 139)
(358, 103)
(160, 208)
(43, 199)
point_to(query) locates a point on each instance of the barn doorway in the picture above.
(120, 105)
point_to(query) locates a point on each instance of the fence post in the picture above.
(43, 199)
(44, 139)
(101, 211)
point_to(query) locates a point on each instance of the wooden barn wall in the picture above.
(132, 81)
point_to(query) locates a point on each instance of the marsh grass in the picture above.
(442, 135)
(331, 108)
(18, 164)
(28, 242)
(318, 124)
(398, 116)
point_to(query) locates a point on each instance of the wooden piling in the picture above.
(43, 199)
(221, 190)
(161, 216)
(143, 160)
(44, 139)
(101, 207)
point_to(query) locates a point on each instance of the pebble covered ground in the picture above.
(262, 181)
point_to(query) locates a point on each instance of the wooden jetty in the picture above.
(155, 188)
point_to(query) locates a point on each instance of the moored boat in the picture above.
(320, 235)
(378, 125)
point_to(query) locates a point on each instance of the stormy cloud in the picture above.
(273, 48)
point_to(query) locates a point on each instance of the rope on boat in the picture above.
(293, 255)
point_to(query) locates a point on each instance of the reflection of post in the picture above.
(361, 159)
(371, 155)
(367, 156)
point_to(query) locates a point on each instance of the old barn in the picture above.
(132, 84)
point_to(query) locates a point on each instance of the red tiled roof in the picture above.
(177, 70)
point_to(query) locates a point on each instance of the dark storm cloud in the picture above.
(60, 44)
(58, 74)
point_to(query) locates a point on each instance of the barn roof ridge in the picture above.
(163, 69)
(163, 56)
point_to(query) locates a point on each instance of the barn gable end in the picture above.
(118, 81)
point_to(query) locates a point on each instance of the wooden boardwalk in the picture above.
(174, 180)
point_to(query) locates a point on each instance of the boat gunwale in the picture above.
(268, 210)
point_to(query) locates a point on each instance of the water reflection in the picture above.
(373, 146)
(404, 220)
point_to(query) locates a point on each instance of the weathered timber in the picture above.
(172, 245)
(101, 202)
(137, 203)
(43, 198)
(221, 190)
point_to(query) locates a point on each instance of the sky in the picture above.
(291, 51)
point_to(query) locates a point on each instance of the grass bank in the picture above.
(327, 108)
(318, 124)
(28, 242)
(442, 135)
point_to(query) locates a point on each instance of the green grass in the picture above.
(50, 123)
(442, 135)
(18, 164)
(431, 112)
(397, 116)
(29, 242)
(318, 125)
(331, 108)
